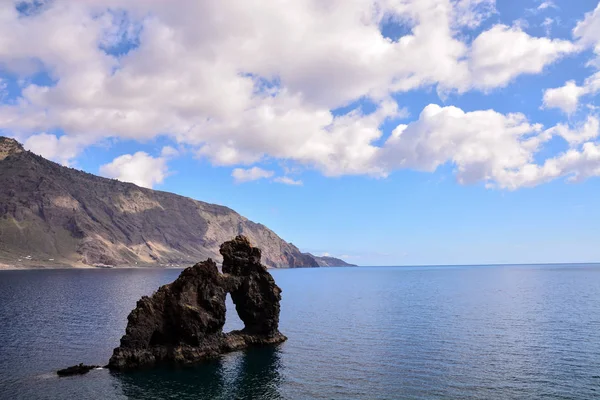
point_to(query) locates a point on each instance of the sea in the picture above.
(447, 332)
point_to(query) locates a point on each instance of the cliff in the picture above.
(51, 215)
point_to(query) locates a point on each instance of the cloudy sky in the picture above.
(384, 131)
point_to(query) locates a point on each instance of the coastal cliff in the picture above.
(55, 216)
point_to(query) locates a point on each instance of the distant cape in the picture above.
(55, 216)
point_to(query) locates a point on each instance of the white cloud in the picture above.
(586, 131)
(486, 146)
(288, 181)
(61, 149)
(185, 74)
(546, 4)
(565, 98)
(577, 165)
(139, 168)
(547, 24)
(587, 31)
(169, 152)
(251, 174)
(592, 83)
(335, 145)
(568, 96)
(237, 86)
(472, 13)
(502, 53)
(481, 144)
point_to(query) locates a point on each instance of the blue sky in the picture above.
(386, 133)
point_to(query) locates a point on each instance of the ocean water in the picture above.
(490, 332)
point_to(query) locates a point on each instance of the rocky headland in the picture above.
(53, 216)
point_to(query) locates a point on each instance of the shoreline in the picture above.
(6, 267)
(9, 267)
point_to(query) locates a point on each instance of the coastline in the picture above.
(8, 267)
(13, 267)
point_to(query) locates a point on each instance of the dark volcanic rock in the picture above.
(182, 323)
(257, 296)
(76, 370)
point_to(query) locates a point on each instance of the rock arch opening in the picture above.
(232, 319)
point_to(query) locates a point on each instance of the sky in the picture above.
(385, 132)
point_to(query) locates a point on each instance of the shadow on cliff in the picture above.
(251, 374)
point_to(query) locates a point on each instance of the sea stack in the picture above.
(182, 323)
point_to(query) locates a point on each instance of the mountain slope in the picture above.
(54, 215)
(328, 261)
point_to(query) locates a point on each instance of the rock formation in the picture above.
(254, 293)
(79, 369)
(182, 323)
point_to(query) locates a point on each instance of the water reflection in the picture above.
(258, 375)
(252, 374)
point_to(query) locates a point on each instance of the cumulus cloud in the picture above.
(567, 97)
(483, 145)
(587, 31)
(502, 53)
(575, 164)
(251, 174)
(243, 86)
(139, 168)
(580, 162)
(486, 146)
(62, 149)
(472, 13)
(586, 131)
(336, 145)
(185, 74)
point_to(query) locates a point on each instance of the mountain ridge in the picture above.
(56, 216)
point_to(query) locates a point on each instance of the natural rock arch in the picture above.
(182, 323)
(252, 288)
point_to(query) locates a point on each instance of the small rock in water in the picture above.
(76, 370)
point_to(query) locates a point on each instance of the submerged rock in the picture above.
(76, 370)
(182, 323)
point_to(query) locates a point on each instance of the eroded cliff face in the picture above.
(182, 323)
(52, 215)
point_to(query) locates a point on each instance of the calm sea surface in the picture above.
(496, 332)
